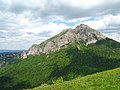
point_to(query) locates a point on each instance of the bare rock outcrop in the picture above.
(63, 39)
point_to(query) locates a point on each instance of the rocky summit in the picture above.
(81, 33)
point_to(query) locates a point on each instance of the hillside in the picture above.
(107, 80)
(67, 63)
(86, 54)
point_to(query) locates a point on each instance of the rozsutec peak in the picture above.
(81, 33)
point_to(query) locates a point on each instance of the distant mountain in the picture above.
(9, 56)
(10, 51)
(71, 54)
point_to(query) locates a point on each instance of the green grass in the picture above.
(68, 63)
(107, 80)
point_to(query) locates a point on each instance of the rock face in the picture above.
(80, 33)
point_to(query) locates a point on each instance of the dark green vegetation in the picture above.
(68, 63)
(107, 80)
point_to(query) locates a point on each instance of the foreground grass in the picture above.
(107, 80)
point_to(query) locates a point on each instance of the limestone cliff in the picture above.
(80, 33)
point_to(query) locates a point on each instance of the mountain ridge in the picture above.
(69, 62)
(81, 33)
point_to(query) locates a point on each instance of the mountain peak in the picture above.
(81, 33)
(83, 27)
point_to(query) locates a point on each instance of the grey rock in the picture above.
(63, 39)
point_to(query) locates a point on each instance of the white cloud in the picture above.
(108, 25)
(105, 22)
(31, 35)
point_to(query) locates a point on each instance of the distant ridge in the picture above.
(10, 51)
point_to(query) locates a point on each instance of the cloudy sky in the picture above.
(25, 22)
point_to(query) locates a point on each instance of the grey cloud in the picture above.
(65, 10)
(45, 34)
(110, 31)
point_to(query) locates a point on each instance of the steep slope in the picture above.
(70, 61)
(108, 80)
(80, 33)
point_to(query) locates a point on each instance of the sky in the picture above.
(27, 22)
